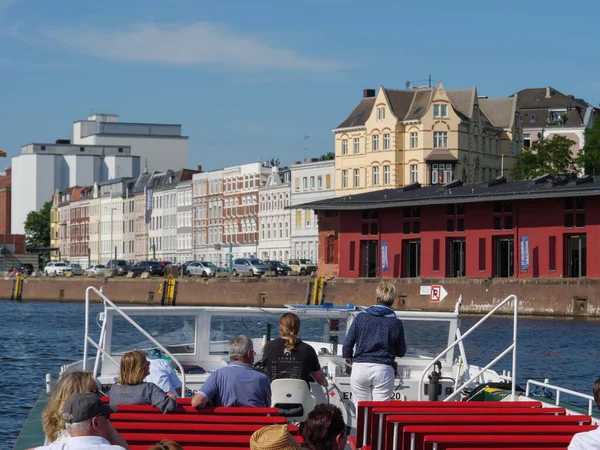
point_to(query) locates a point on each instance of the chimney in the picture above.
(314, 159)
(368, 93)
(199, 168)
(298, 162)
(571, 96)
(548, 92)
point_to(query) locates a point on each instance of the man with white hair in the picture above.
(237, 384)
(86, 420)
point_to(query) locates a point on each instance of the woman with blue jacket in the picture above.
(374, 340)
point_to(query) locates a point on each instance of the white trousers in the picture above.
(371, 382)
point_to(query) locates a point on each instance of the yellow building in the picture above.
(54, 226)
(425, 135)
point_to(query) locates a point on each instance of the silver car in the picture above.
(96, 270)
(76, 269)
(255, 266)
(201, 269)
(56, 268)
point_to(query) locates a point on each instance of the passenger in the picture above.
(325, 429)
(87, 421)
(166, 444)
(588, 440)
(131, 388)
(289, 357)
(237, 384)
(163, 375)
(374, 339)
(52, 418)
(273, 437)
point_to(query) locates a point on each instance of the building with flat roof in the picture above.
(41, 169)
(159, 145)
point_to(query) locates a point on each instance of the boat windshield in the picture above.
(425, 337)
(176, 333)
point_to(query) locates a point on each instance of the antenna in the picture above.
(306, 148)
(407, 84)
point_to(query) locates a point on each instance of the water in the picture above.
(37, 338)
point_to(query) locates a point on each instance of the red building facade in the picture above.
(5, 202)
(537, 229)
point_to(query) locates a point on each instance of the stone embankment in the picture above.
(564, 297)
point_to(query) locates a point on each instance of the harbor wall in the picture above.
(563, 297)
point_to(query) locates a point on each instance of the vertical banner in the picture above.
(148, 205)
(385, 265)
(524, 253)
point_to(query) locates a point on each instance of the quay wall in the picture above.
(550, 297)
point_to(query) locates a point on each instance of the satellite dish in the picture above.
(407, 85)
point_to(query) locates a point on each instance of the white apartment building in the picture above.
(311, 181)
(41, 169)
(184, 221)
(208, 217)
(158, 145)
(112, 198)
(274, 219)
(94, 221)
(129, 220)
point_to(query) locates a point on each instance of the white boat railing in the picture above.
(98, 346)
(559, 390)
(512, 347)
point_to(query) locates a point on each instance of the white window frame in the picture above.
(386, 174)
(356, 145)
(414, 139)
(344, 178)
(444, 110)
(375, 171)
(436, 110)
(312, 182)
(356, 177)
(386, 141)
(344, 146)
(526, 137)
(304, 183)
(414, 173)
(380, 114)
(440, 139)
(375, 142)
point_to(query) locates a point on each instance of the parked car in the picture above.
(24, 268)
(279, 268)
(76, 269)
(256, 266)
(302, 266)
(201, 268)
(56, 268)
(152, 267)
(120, 265)
(97, 269)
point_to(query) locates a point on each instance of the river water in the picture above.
(37, 338)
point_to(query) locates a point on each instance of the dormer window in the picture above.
(380, 114)
(440, 110)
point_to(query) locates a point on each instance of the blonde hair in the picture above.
(133, 368)
(289, 328)
(69, 384)
(166, 444)
(386, 293)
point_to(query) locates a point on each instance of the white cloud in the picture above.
(201, 43)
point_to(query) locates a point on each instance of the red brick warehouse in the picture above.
(523, 229)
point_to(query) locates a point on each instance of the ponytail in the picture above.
(289, 327)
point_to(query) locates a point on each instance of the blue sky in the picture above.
(251, 78)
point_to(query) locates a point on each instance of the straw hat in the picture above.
(273, 437)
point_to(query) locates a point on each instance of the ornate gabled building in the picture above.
(274, 218)
(425, 135)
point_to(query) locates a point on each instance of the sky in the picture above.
(250, 80)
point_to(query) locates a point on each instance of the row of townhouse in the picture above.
(182, 215)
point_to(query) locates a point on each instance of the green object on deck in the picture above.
(32, 434)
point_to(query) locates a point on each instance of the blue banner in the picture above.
(385, 265)
(524, 253)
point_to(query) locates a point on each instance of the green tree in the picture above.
(551, 156)
(274, 162)
(37, 227)
(589, 156)
(327, 156)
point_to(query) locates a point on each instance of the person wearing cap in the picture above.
(86, 420)
(273, 437)
(588, 440)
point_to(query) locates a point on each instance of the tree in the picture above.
(552, 156)
(327, 156)
(37, 227)
(589, 156)
(274, 162)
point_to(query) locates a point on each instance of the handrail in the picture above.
(459, 340)
(132, 322)
(558, 389)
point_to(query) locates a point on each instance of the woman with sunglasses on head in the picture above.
(71, 383)
(325, 429)
(131, 388)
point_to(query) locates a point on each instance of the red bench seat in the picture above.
(196, 428)
(228, 440)
(446, 442)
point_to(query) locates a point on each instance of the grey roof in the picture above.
(535, 106)
(456, 192)
(361, 113)
(500, 111)
(463, 100)
(421, 99)
(441, 155)
(400, 101)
